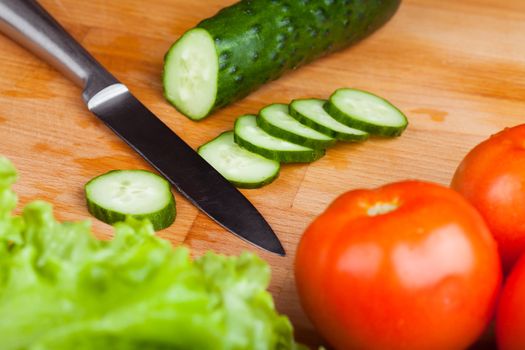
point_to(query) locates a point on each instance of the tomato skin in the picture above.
(492, 178)
(424, 275)
(510, 319)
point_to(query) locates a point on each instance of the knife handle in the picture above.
(30, 25)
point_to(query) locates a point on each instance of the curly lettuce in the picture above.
(61, 288)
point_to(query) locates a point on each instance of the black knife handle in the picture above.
(30, 25)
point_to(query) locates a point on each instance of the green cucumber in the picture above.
(252, 42)
(365, 111)
(249, 136)
(276, 121)
(138, 193)
(310, 112)
(241, 167)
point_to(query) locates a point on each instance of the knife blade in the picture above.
(29, 24)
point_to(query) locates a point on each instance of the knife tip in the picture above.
(276, 247)
(280, 251)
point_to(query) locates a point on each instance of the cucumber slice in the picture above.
(241, 167)
(365, 111)
(276, 121)
(138, 193)
(190, 80)
(310, 112)
(249, 136)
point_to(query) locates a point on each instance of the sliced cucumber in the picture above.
(138, 193)
(276, 121)
(365, 111)
(241, 167)
(310, 112)
(254, 139)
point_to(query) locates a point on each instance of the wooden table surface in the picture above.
(456, 68)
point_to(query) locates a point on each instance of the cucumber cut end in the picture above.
(312, 112)
(247, 128)
(366, 111)
(138, 193)
(250, 136)
(278, 115)
(190, 76)
(134, 192)
(241, 167)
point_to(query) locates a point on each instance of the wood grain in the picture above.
(457, 68)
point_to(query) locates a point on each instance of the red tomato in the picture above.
(410, 265)
(492, 178)
(510, 319)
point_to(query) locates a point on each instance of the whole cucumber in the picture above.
(252, 42)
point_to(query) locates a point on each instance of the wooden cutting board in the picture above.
(456, 68)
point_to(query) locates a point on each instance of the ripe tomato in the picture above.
(410, 265)
(492, 178)
(510, 319)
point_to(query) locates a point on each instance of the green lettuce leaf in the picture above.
(61, 288)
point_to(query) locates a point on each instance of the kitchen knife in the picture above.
(29, 24)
